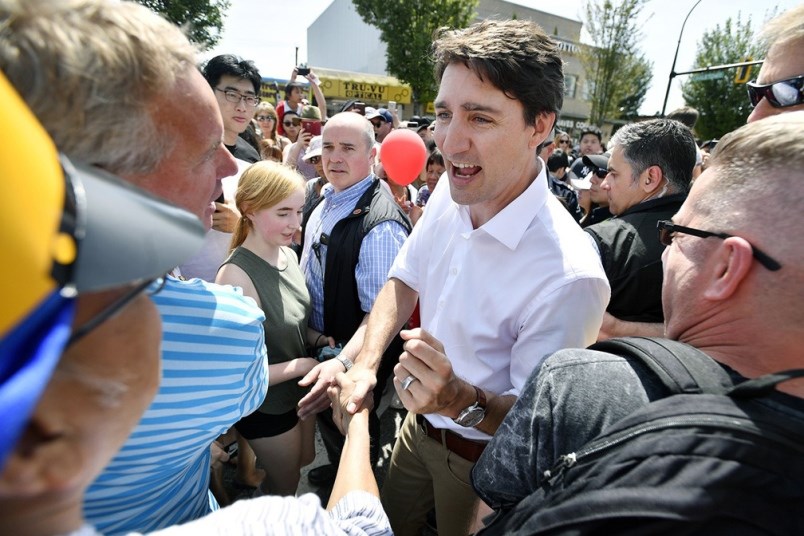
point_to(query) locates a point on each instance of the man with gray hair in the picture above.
(120, 76)
(649, 173)
(733, 273)
(116, 85)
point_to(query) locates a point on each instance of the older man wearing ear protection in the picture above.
(79, 337)
(80, 341)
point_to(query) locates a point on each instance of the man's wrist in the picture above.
(465, 397)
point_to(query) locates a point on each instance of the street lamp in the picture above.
(673, 68)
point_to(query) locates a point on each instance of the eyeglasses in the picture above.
(235, 97)
(150, 287)
(314, 159)
(264, 118)
(667, 228)
(780, 94)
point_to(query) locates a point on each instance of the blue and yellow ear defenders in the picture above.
(65, 228)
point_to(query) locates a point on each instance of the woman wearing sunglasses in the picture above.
(265, 115)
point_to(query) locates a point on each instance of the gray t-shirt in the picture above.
(565, 403)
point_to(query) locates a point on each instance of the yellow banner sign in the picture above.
(365, 91)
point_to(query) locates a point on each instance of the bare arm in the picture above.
(319, 95)
(392, 308)
(354, 470)
(614, 327)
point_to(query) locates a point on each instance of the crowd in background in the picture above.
(321, 283)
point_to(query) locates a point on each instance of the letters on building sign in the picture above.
(369, 92)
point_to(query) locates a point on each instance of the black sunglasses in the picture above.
(780, 94)
(150, 287)
(601, 173)
(667, 228)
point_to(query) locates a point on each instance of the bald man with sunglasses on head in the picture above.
(779, 88)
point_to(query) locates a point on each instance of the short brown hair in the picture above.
(515, 56)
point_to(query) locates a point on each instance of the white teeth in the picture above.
(463, 165)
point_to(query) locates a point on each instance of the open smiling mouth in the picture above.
(465, 172)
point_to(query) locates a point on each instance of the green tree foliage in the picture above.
(407, 28)
(202, 18)
(617, 73)
(723, 105)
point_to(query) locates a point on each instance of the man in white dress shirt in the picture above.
(503, 274)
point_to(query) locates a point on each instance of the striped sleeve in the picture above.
(214, 371)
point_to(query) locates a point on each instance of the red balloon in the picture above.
(403, 156)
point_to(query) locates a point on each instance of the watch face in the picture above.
(471, 417)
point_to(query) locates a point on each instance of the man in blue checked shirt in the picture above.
(351, 239)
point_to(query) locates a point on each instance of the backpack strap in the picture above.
(681, 368)
(764, 384)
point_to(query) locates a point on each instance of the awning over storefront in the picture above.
(370, 88)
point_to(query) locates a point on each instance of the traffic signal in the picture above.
(743, 74)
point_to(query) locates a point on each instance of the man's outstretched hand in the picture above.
(321, 377)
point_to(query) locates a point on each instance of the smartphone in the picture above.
(360, 107)
(391, 106)
(303, 71)
(313, 127)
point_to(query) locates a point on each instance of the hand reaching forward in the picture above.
(320, 377)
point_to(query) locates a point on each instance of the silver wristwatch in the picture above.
(474, 414)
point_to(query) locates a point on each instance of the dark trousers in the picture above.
(332, 437)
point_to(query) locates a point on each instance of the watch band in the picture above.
(345, 361)
(481, 397)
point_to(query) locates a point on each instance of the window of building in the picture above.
(570, 81)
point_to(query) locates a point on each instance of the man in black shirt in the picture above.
(649, 174)
(236, 83)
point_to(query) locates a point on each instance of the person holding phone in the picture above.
(309, 126)
(294, 97)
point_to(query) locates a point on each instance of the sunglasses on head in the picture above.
(779, 94)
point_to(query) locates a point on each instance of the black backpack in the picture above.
(711, 458)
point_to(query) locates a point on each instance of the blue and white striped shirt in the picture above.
(214, 371)
(377, 252)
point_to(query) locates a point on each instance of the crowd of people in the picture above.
(199, 264)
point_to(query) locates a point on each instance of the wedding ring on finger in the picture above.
(406, 383)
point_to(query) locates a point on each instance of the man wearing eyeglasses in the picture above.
(779, 88)
(649, 173)
(236, 83)
(733, 273)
